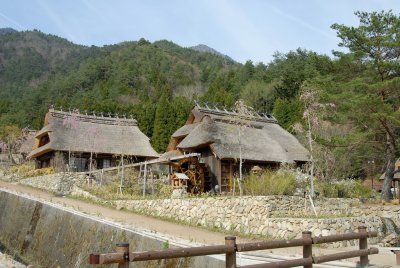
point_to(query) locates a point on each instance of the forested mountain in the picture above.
(156, 82)
(345, 108)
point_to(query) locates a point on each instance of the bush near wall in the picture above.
(270, 183)
(345, 188)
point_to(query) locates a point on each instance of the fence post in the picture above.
(230, 258)
(363, 244)
(123, 248)
(307, 249)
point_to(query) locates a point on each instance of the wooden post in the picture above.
(123, 248)
(398, 190)
(144, 178)
(363, 244)
(397, 253)
(307, 249)
(230, 258)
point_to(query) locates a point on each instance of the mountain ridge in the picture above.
(206, 49)
(7, 30)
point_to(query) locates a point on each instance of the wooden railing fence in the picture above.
(122, 256)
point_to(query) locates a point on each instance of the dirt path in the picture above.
(136, 220)
(167, 228)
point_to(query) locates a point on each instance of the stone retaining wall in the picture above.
(59, 183)
(279, 217)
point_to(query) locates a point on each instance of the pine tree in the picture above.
(376, 41)
(163, 122)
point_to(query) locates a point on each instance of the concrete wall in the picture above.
(49, 236)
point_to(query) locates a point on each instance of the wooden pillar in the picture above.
(307, 249)
(218, 171)
(230, 176)
(123, 248)
(363, 244)
(398, 190)
(230, 258)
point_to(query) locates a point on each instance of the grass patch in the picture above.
(345, 189)
(270, 183)
(27, 170)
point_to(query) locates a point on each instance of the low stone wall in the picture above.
(385, 211)
(279, 217)
(59, 183)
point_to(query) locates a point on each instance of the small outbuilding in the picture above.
(81, 142)
(179, 180)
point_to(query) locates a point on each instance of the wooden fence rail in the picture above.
(123, 256)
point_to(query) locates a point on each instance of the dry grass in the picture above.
(28, 170)
(270, 183)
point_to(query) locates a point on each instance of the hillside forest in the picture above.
(344, 108)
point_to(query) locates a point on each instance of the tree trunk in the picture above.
(10, 153)
(389, 171)
(240, 164)
(312, 191)
(90, 163)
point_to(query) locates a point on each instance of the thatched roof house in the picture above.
(221, 136)
(83, 135)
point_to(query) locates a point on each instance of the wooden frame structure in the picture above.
(122, 257)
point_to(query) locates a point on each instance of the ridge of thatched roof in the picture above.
(89, 133)
(258, 138)
(225, 114)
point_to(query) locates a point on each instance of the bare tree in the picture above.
(241, 119)
(312, 115)
(71, 121)
(12, 137)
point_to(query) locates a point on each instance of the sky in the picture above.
(244, 30)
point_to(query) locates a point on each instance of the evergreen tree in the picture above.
(163, 122)
(377, 40)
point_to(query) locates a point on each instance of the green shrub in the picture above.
(326, 189)
(347, 189)
(358, 190)
(270, 183)
(164, 190)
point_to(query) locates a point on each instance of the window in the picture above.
(106, 163)
(78, 164)
(44, 140)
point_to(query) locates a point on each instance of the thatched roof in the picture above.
(261, 137)
(28, 143)
(86, 133)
